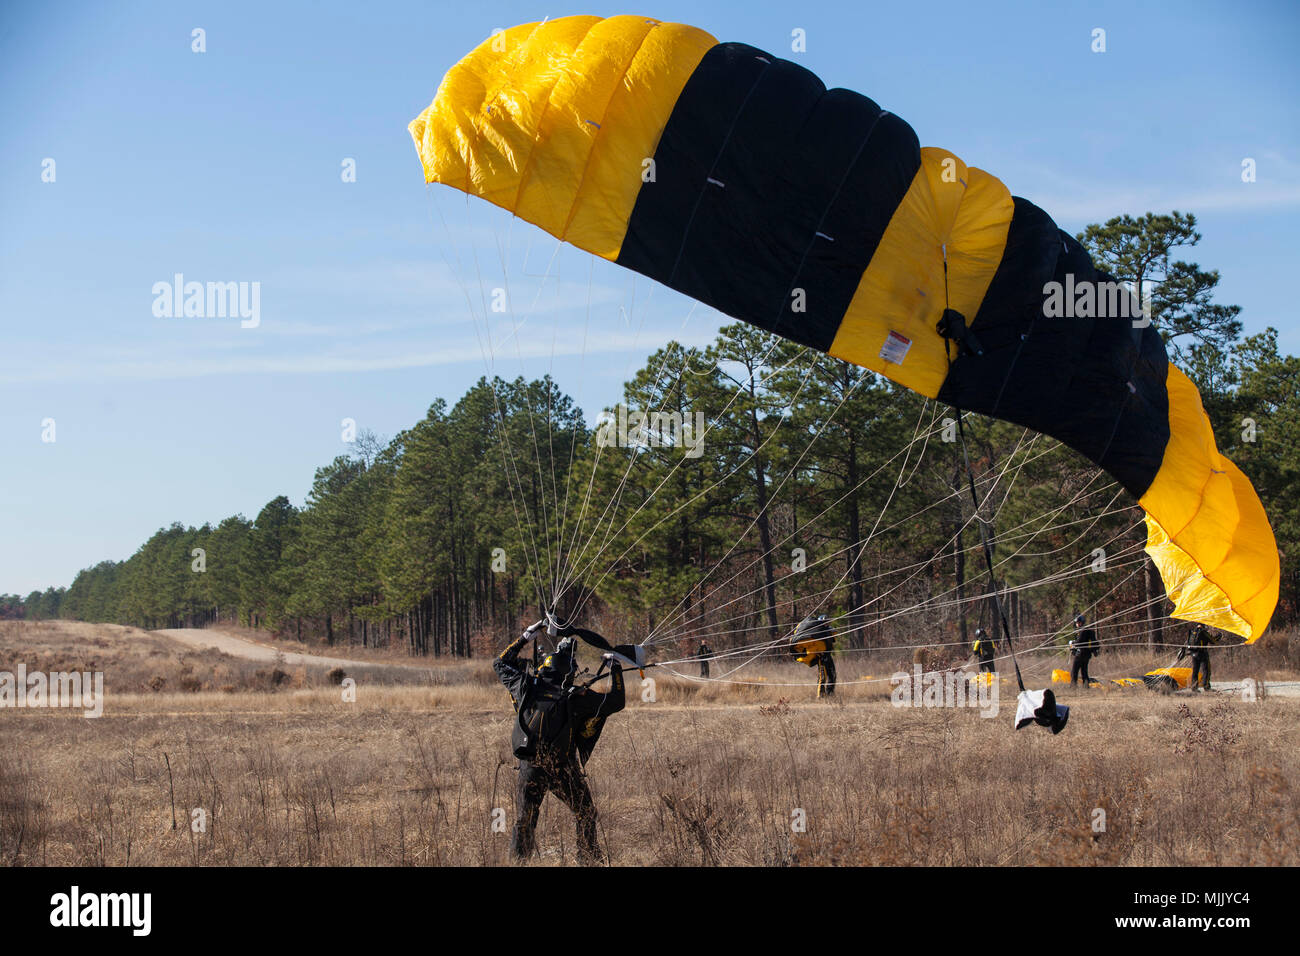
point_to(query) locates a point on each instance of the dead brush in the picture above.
(707, 823)
(1216, 731)
(1101, 824)
(1272, 796)
(304, 778)
(906, 834)
(936, 659)
(780, 709)
(24, 815)
(908, 837)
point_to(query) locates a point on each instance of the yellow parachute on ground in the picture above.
(737, 178)
(1159, 679)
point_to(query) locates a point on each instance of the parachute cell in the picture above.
(737, 178)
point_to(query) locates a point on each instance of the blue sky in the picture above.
(225, 166)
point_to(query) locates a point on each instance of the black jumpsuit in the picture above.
(1198, 644)
(1085, 646)
(704, 653)
(564, 724)
(987, 653)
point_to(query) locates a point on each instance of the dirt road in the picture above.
(199, 639)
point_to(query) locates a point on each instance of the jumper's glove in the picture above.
(531, 630)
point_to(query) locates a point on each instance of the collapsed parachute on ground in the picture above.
(737, 178)
(1161, 679)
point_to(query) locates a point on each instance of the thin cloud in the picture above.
(388, 358)
(1100, 204)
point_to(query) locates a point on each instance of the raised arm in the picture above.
(613, 700)
(507, 664)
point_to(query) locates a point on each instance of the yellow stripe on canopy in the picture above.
(902, 290)
(1206, 529)
(554, 122)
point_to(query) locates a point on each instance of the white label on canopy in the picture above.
(895, 348)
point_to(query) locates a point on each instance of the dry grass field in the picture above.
(286, 772)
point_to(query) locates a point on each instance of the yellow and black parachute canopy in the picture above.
(812, 637)
(737, 178)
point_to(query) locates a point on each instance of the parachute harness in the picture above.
(952, 326)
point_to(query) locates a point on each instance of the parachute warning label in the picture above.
(895, 348)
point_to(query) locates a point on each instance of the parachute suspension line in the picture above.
(575, 567)
(569, 559)
(562, 571)
(921, 604)
(544, 515)
(1046, 645)
(970, 472)
(590, 566)
(939, 602)
(563, 512)
(677, 631)
(578, 567)
(680, 627)
(685, 623)
(678, 610)
(1030, 535)
(860, 544)
(570, 572)
(572, 553)
(934, 416)
(541, 517)
(510, 465)
(486, 352)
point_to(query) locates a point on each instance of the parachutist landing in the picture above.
(1082, 649)
(825, 675)
(1198, 646)
(985, 650)
(811, 644)
(703, 654)
(556, 730)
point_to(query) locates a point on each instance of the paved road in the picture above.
(202, 638)
(1272, 688)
